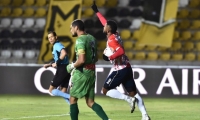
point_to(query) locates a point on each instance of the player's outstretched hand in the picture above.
(94, 7)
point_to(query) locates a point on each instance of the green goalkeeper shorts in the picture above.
(83, 84)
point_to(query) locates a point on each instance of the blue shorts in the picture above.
(124, 77)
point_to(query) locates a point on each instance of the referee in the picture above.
(62, 77)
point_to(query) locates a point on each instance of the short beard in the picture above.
(75, 35)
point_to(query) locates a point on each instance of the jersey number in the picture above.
(92, 43)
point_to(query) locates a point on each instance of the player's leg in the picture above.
(64, 89)
(114, 80)
(65, 85)
(57, 81)
(113, 93)
(65, 82)
(89, 98)
(57, 92)
(129, 85)
(142, 108)
(75, 92)
(74, 111)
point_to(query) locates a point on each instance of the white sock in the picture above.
(140, 104)
(116, 94)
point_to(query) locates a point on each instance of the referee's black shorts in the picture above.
(61, 77)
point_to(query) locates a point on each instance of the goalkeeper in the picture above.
(83, 71)
(122, 73)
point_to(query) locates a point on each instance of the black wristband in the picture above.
(96, 10)
(58, 61)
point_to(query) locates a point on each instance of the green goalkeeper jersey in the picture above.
(86, 44)
(83, 80)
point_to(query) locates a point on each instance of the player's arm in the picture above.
(99, 15)
(117, 49)
(81, 57)
(118, 52)
(63, 53)
(80, 61)
(47, 65)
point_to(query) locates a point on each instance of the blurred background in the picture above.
(154, 31)
(161, 39)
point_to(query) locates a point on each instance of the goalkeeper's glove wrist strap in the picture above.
(72, 66)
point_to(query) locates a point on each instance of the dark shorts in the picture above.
(124, 77)
(61, 77)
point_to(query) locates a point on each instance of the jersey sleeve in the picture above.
(56, 50)
(58, 47)
(101, 18)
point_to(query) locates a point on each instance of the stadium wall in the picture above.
(151, 81)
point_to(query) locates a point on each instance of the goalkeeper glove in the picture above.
(70, 67)
(94, 7)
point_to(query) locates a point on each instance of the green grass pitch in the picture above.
(45, 107)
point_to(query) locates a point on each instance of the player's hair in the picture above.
(79, 24)
(113, 26)
(52, 32)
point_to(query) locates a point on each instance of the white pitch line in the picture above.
(29, 117)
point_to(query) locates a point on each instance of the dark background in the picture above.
(152, 10)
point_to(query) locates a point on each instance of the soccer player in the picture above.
(83, 71)
(122, 73)
(62, 77)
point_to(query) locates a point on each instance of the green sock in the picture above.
(74, 111)
(99, 111)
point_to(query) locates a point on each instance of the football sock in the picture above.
(74, 111)
(140, 104)
(57, 92)
(67, 100)
(116, 94)
(99, 111)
